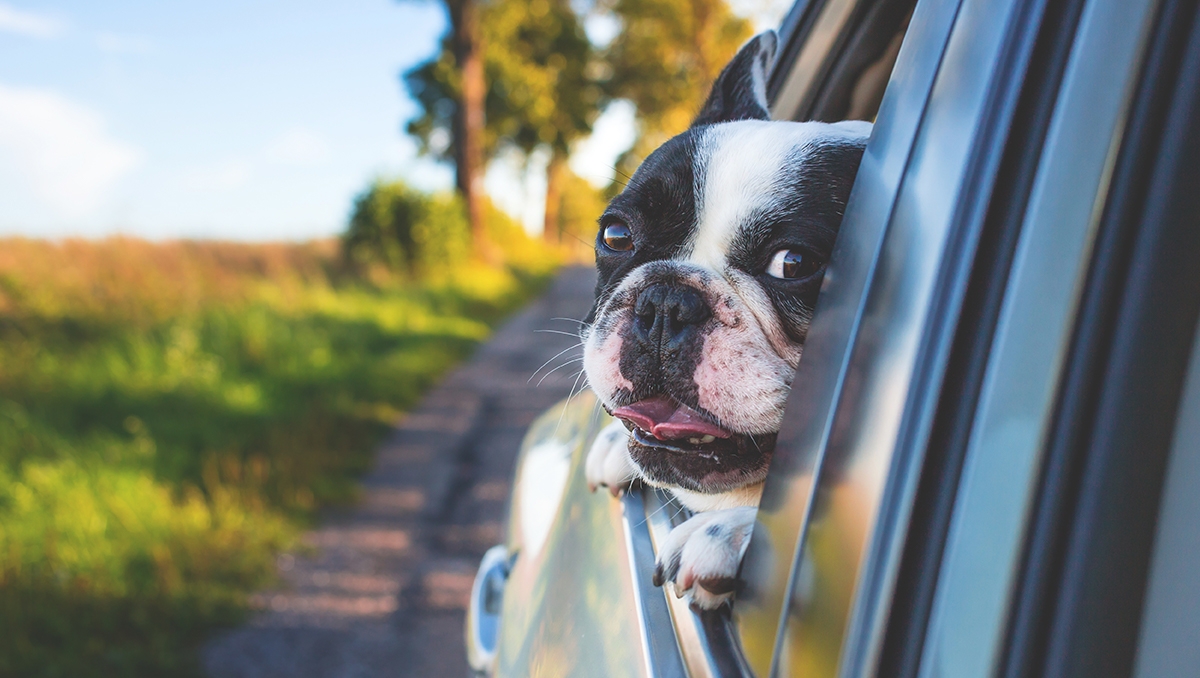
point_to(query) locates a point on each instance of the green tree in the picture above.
(540, 88)
(451, 88)
(543, 73)
(664, 59)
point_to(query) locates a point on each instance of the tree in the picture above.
(541, 67)
(579, 205)
(665, 58)
(451, 87)
(541, 90)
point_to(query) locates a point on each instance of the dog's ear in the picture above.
(740, 92)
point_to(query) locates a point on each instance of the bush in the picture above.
(398, 231)
(406, 231)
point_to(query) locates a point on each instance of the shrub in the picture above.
(398, 231)
(406, 231)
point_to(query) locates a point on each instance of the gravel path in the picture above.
(384, 590)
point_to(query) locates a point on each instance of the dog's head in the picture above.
(709, 263)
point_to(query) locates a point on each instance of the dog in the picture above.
(709, 263)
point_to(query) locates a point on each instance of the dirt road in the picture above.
(384, 590)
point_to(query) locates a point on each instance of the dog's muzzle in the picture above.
(667, 317)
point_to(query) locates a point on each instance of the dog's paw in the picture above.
(701, 557)
(608, 463)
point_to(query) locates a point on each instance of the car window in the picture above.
(1171, 623)
(853, 46)
(872, 439)
(838, 59)
(867, 392)
(981, 558)
(1079, 593)
(769, 570)
(1167, 645)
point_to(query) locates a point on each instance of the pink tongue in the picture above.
(666, 420)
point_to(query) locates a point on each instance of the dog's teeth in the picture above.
(696, 441)
(708, 439)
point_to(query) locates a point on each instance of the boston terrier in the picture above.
(709, 264)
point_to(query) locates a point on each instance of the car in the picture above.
(990, 464)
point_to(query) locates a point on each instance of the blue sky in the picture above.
(249, 120)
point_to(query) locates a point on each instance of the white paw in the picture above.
(608, 462)
(701, 557)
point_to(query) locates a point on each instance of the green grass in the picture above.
(156, 455)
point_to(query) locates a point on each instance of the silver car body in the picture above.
(570, 591)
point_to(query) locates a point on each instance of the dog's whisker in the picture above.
(675, 515)
(535, 372)
(565, 334)
(571, 320)
(618, 171)
(570, 397)
(572, 393)
(652, 513)
(581, 240)
(575, 376)
(582, 387)
(569, 362)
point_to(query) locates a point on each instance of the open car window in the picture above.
(769, 616)
(835, 62)
(836, 58)
(914, 439)
(848, 49)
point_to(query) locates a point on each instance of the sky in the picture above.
(230, 119)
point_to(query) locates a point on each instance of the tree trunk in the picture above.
(468, 52)
(552, 228)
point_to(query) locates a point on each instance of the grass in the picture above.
(172, 414)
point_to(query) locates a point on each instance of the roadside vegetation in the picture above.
(171, 414)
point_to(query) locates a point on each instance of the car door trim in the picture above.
(662, 655)
(967, 628)
(1108, 449)
(771, 563)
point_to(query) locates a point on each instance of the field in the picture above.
(171, 414)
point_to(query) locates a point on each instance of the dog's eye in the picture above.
(617, 237)
(793, 264)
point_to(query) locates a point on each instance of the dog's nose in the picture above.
(667, 314)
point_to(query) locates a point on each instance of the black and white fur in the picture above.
(696, 316)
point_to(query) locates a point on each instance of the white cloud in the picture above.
(114, 43)
(61, 149)
(219, 177)
(31, 24)
(298, 146)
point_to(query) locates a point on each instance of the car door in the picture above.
(1055, 583)
(971, 481)
(935, 497)
(569, 591)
